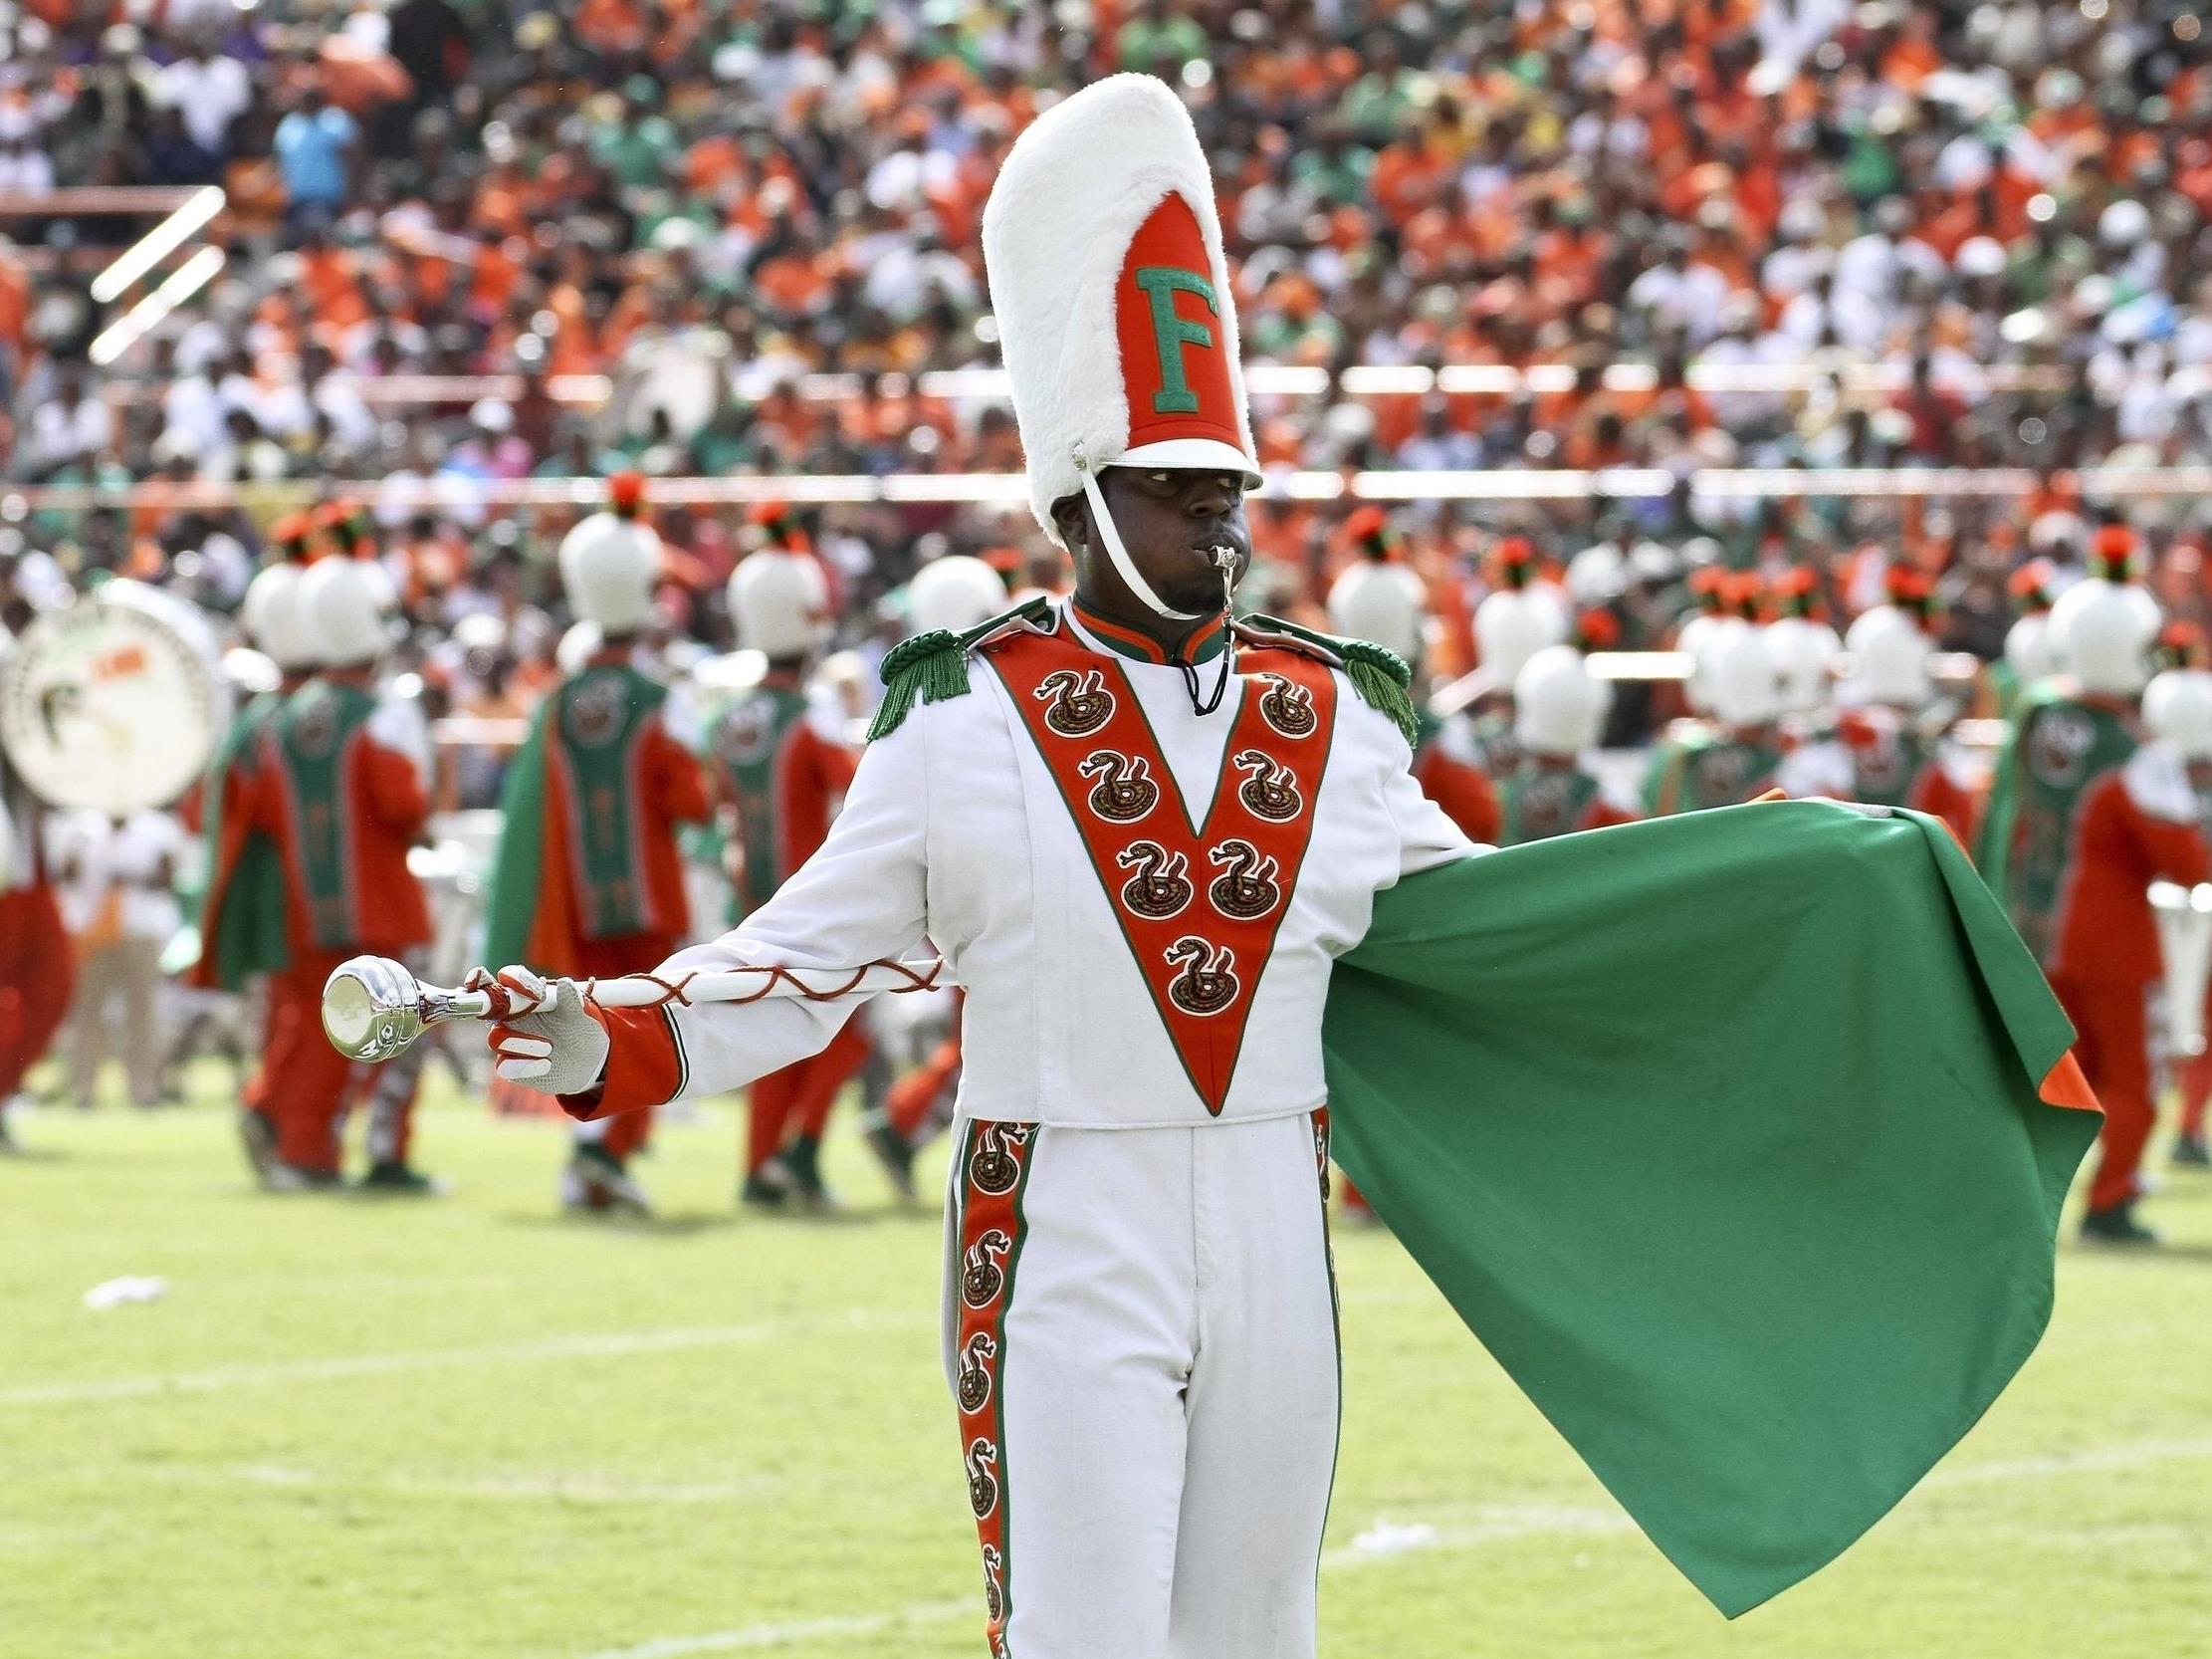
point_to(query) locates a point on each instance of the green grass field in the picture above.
(382, 1430)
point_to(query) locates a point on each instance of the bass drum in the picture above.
(115, 702)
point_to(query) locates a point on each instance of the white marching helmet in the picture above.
(2104, 633)
(1559, 706)
(608, 565)
(1740, 682)
(778, 602)
(1116, 317)
(1381, 601)
(2177, 707)
(344, 603)
(1889, 656)
(1514, 624)
(274, 618)
(1697, 638)
(2032, 647)
(1804, 653)
(954, 592)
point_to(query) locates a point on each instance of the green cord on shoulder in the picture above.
(933, 666)
(1378, 674)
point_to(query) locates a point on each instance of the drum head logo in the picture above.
(2059, 750)
(743, 736)
(113, 703)
(593, 716)
(315, 730)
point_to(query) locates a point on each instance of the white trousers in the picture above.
(1140, 1332)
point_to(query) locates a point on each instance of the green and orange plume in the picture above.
(348, 527)
(293, 536)
(1911, 592)
(1797, 593)
(2182, 645)
(1513, 563)
(1369, 531)
(1595, 630)
(781, 525)
(1743, 594)
(2112, 552)
(1708, 585)
(2029, 588)
(626, 494)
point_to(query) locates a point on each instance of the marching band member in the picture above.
(338, 790)
(1887, 750)
(779, 770)
(242, 909)
(37, 965)
(588, 878)
(1007, 807)
(2083, 818)
(1383, 601)
(2177, 710)
(1515, 621)
(2031, 650)
(1560, 708)
(1735, 759)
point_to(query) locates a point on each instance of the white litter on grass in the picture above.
(1390, 1537)
(115, 1292)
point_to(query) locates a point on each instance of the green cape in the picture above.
(511, 904)
(1725, 1135)
(239, 922)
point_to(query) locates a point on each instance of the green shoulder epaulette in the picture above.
(934, 665)
(1378, 674)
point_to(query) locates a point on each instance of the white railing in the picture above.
(451, 493)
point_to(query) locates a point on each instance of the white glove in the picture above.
(550, 1040)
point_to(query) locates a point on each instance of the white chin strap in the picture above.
(1123, 564)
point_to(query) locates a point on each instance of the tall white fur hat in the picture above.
(1116, 318)
(954, 592)
(2105, 631)
(1559, 706)
(2178, 706)
(1514, 624)
(1386, 602)
(1889, 657)
(609, 561)
(344, 603)
(778, 601)
(276, 620)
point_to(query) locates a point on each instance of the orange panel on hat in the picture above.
(1174, 354)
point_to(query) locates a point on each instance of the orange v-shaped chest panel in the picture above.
(1200, 903)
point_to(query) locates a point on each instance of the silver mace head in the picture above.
(372, 1008)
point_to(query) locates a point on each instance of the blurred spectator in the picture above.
(117, 878)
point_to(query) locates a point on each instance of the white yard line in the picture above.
(1386, 1541)
(611, 1345)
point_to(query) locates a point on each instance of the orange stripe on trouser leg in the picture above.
(2113, 1046)
(995, 1171)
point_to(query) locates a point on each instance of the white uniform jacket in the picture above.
(957, 832)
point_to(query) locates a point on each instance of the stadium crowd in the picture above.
(702, 204)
